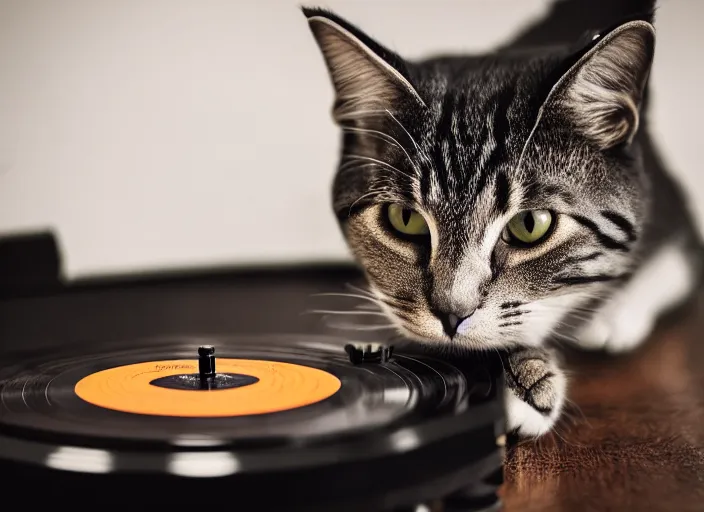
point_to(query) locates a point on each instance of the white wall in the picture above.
(172, 133)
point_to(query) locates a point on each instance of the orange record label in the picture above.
(280, 387)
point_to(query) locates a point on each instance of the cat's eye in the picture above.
(407, 221)
(529, 227)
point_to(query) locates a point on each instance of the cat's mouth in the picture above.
(432, 332)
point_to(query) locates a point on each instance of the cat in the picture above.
(501, 201)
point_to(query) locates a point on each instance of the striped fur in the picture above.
(555, 129)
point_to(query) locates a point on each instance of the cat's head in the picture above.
(486, 197)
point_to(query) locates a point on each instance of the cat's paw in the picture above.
(621, 331)
(628, 319)
(594, 335)
(535, 392)
(629, 329)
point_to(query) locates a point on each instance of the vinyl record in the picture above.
(301, 415)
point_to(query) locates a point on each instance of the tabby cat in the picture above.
(508, 199)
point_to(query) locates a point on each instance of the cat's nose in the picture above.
(451, 321)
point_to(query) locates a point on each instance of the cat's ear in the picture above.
(602, 93)
(365, 75)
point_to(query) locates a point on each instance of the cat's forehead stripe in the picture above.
(489, 145)
(466, 149)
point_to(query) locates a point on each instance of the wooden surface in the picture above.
(633, 438)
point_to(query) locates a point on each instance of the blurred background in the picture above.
(159, 134)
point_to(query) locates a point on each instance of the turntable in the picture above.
(252, 422)
(105, 402)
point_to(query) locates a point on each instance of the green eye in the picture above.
(529, 227)
(407, 221)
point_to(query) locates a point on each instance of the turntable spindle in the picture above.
(206, 362)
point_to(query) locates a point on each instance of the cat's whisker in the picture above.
(385, 137)
(573, 407)
(350, 295)
(366, 113)
(360, 114)
(564, 337)
(369, 307)
(361, 290)
(353, 166)
(569, 413)
(381, 163)
(343, 313)
(562, 437)
(558, 309)
(418, 149)
(582, 318)
(523, 442)
(357, 327)
(392, 302)
(368, 194)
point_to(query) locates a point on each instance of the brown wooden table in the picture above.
(633, 438)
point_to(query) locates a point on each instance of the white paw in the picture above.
(595, 335)
(616, 330)
(629, 330)
(628, 319)
(523, 419)
(535, 396)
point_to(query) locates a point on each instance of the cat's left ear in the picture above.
(602, 93)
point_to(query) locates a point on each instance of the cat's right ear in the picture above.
(365, 75)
